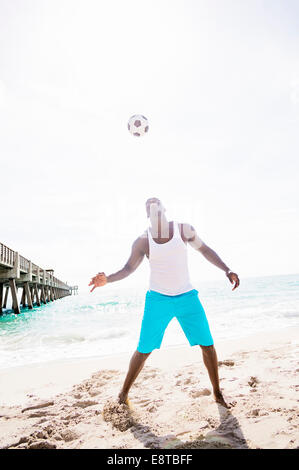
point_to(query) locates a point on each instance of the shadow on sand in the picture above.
(228, 435)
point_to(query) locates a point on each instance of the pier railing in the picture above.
(6, 256)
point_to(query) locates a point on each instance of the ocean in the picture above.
(108, 320)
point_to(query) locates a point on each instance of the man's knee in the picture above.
(142, 356)
(207, 349)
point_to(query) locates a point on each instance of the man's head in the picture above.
(154, 204)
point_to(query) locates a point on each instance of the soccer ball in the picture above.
(138, 125)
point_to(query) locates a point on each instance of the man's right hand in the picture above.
(98, 281)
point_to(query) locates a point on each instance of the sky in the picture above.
(219, 83)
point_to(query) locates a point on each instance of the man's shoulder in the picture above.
(185, 225)
(186, 230)
(141, 242)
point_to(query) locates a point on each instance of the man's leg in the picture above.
(211, 362)
(136, 364)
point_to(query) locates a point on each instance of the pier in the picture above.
(39, 286)
(74, 290)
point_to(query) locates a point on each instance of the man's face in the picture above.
(155, 203)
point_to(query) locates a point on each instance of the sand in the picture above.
(72, 404)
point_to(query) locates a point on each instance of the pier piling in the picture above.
(74, 289)
(1, 296)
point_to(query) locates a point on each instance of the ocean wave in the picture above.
(62, 339)
(110, 333)
(65, 339)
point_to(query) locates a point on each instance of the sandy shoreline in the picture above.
(172, 403)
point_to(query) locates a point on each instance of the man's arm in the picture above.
(136, 257)
(193, 239)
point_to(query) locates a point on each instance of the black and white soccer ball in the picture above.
(138, 125)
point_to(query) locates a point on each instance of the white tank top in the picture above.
(169, 272)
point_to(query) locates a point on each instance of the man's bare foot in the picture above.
(123, 399)
(219, 398)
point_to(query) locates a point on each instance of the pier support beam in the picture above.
(5, 297)
(37, 299)
(23, 298)
(13, 290)
(42, 295)
(28, 295)
(47, 294)
(32, 294)
(1, 297)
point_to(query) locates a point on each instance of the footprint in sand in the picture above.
(85, 403)
(149, 374)
(152, 409)
(226, 362)
(149, 404)
(105, 374)
(200, 393)
(253, 381)
(186, 381)
(142, 402)
(71, 416)
(98, 379)
(68, 435)
(40, 414)
(254, 412)
(40, 410)
(94, 392)
(41, 445)
(45, 438)
(38, 406)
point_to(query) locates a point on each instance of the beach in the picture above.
(72, 403)
(148, 153)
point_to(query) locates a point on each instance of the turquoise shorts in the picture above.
(159, 309)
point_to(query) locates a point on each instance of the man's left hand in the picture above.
(234, 279)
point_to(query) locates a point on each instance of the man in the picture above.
(170, 293)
